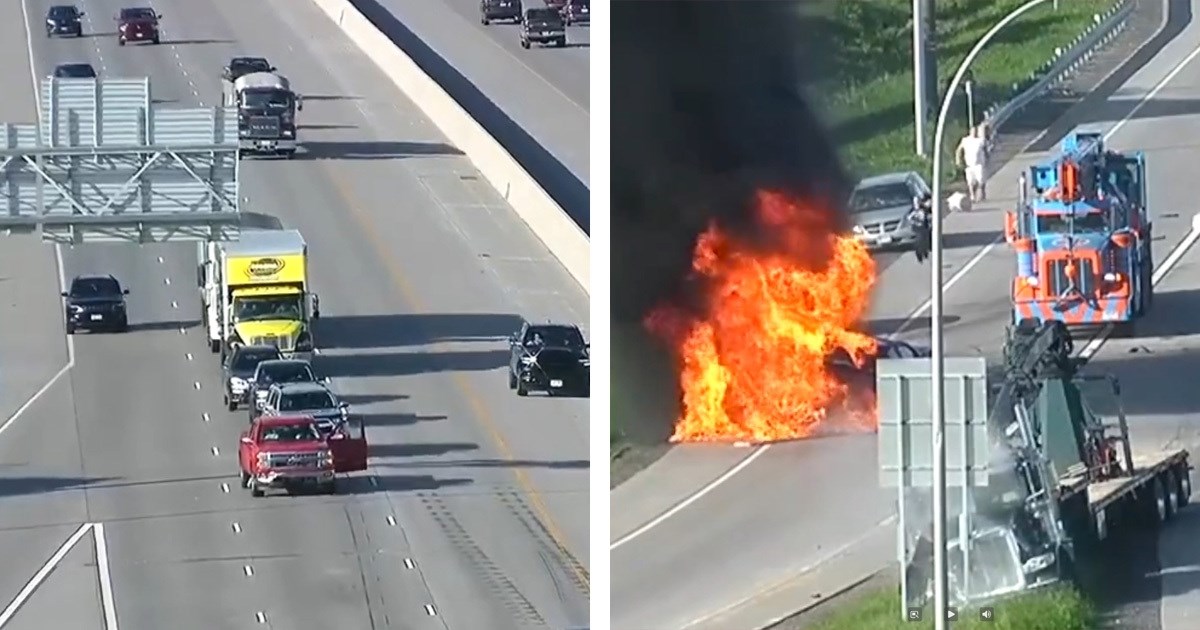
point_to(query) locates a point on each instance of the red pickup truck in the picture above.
(292, 453)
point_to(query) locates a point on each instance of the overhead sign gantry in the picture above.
(107, 164)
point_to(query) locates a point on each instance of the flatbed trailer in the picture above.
(1158, 486)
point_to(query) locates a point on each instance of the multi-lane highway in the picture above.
(793, 522)
(543, 90)
(475, 511)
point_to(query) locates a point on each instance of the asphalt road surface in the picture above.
(544, 90)
(474, 513)
(799, 518)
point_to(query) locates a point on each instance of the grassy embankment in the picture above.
(1057, 608)
(863, 83)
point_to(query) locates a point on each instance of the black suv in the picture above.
(543, 26)
(238, 370)
(550, 358)
(277, 371)
(96, 303)
(64, 19)
(74, 71)
(496, 10)
(241, 66)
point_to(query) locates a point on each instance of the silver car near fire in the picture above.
(880, 207)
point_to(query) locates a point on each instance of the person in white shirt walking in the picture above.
(972, 153)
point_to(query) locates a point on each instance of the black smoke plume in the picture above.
(707, 107)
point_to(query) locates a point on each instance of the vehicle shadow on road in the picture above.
(1171, 315)
(572, 464)
(396, 419)
(969, 240)
(371, 150)
(166, 325)
(1154, 383)
(17, 486)
(411, 449)
(408, 363)
(198, 42)
(391, 331)
(370, 399)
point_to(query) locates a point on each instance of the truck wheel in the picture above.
(329, 487)
(244, 477)
(512, 380)
(521, 391)
(70, 329)
(525, 44)
(1184, 478)
(1154, 504)
(484, 21)
(255, 491)
(561, 43)
(1171, 486)
(121, 41)
(230, 403)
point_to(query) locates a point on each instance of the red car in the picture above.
(137, 25)
(293, 453)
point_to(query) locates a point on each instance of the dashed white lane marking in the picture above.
(189, 356)
(182, 330)
(197, 384)
(167, 281)
(225, 488)
(374, 481)
(174, 304)
(205, 417)
(248, 570)
(237, 528)
(409, 564)
(160, 259)
(216, 452)
(261, 616)
(430, 611)
(391, 520)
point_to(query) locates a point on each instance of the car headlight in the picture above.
(858, 229)
(263, 458)
(1037, 563)
(76, 309)
(325, 458)
(237, 383)
(528, 360)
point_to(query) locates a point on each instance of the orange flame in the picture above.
(755, 368)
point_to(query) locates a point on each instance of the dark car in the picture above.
(308, 399)
(241, 66)
(96, 303)
(74, 71)
(496, 10)
(139, 24)
(543, 26)
(239, 368)
(577, 12)
(64, 19)
(550, 358)
(843, 366)
(276, 371)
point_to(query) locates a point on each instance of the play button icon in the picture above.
(951, 614)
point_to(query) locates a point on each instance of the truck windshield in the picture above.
(266, 99)
(1061, 224)
(266, 308)
(290, 433)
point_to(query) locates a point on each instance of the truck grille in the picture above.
(292, 460)
(264, 127)
(1059, 281)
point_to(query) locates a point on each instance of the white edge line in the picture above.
(961, 273)
(712, 485)
(106, 589)
(42, 574)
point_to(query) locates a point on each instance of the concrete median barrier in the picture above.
(566, 240)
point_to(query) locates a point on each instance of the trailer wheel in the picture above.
(1184, 477)
(1154, 502)
(1170, 482)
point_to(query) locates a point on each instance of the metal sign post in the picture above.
(906, 458)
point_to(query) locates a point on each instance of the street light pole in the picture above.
(935, 311)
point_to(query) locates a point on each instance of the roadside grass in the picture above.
(1053, 608)
(866, 95)
(862, 85)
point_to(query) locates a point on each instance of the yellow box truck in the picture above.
(256, 291)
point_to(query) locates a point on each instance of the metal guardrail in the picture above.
(1065, 61)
